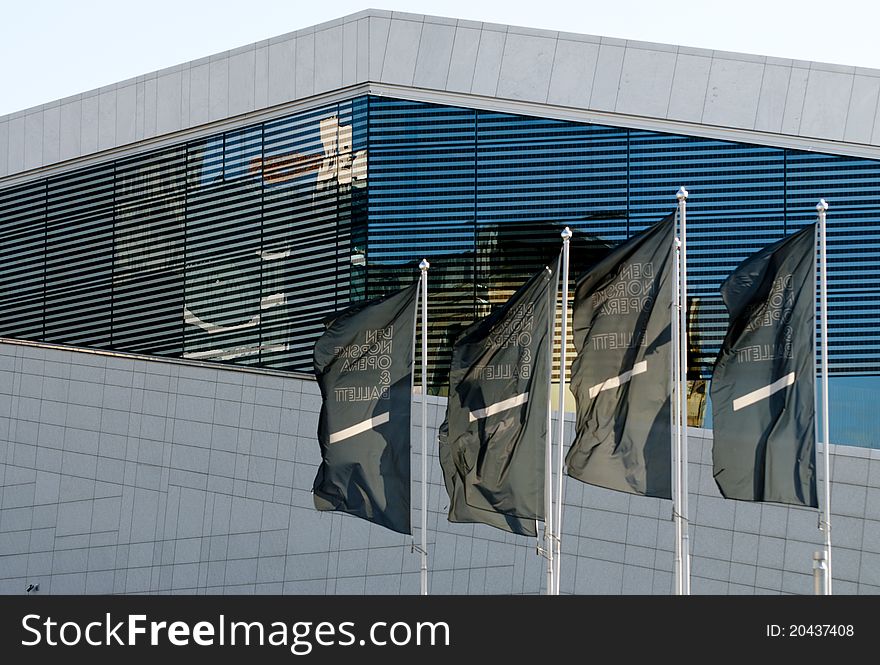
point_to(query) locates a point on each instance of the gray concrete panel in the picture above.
(646, 82)
(242, 82)
(743, 575)
(199, 94)
(848, 499)
(363, 49)
(744, 548)
(873, 469)
(488, 67)
(4, 147)
(150, 106)
(261, 77)
(350, 52)
(733, 91)
(715, 512)
(688, 95)
(305, 66)
(15, 145)
(434, 57)
(875, 135)
(184, 97)
(598, 577)
(774, 520)
(51, 135)
(463, 59)
(851, 470)
(848, 532)
(872, 503)
(328, 59)
(33, 140)
(126, 115)
(168, 102)
(794, 101)
(606, 80)
(772, 99)
(140, 109)
(106, 120)
(378, 38)
(218, 89)
(574, 65)
(401, 52)
(862, 110)
(826, 103)
(526, 67)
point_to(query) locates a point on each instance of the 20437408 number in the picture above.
(810, 630)
(820, 630)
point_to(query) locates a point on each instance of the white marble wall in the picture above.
(124, 474)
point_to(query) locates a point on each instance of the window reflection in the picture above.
(234, 247)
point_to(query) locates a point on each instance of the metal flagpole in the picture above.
(818, 557)
(566, 237)
(548, 443)
(821, 207)
(423, 266)
(682, 388)
(675, 415)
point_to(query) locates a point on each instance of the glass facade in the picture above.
(230, 248)
(234, 247)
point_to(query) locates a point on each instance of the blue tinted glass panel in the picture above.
(234, 247)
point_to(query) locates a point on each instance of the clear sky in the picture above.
(54, 48)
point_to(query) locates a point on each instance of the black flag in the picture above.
(621, 377)
(364, 367)
(493, 452)
(762, 388)
(459, 510)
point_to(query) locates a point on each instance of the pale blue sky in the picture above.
(54, 48)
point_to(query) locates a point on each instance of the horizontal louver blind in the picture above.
(736, 206)
(486, 194)
(23, 256)
(422, 196)
(535, 178)
(79, 257)
(148, 274)
(852, 188)
(232, 248)
(235, 247)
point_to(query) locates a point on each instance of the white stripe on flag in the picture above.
(498, 407)
(763, 393)
(613, 382)
(363, 426)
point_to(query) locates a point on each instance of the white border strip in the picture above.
(518, 107)
(498, 407)
(763, 393)
(614, 382)
(362, 426)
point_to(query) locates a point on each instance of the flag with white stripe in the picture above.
(493, 452)
(621, 377)
(763, 390)
(363, 363)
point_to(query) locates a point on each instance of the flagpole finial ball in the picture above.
(566, 233)
(821, 206)
(681, 194)
(424, 265)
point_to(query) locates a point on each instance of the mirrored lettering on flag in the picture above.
(763, 394)
(621, 375)
(363, 363)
